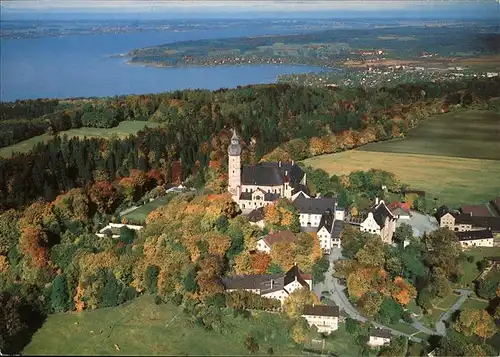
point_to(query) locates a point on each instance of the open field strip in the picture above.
(122, 130)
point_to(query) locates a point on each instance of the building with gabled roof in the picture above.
(256, 217)
(272, 286)
(324, 317)
(400, 209)
(380, 221)
(464, 222)
(476, 210)
(477, 238)
(265, 244)
(379, 337)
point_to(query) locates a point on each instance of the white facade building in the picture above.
(272, 286)
(379, 337)
(324, 317)
(380, 221)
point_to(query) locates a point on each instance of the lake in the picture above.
(80, 66)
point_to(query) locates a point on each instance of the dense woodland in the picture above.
(304, 121)
(53, 199)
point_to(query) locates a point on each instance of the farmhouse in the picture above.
(381, 221)
(476, 210)
(265, 244)
(272, 286)
(379, 337)
(324, 317)
(463, 222)
(482, 238)
(259, 185)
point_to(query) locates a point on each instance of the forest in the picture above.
(54, 198)
(296, 122)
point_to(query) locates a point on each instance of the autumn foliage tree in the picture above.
(295, 302)
(403, 292)
(104, 195)
(33, 243)
(260, 262)
(476, 322)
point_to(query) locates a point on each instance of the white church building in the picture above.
(253, 187)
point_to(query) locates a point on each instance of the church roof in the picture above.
(272, 174)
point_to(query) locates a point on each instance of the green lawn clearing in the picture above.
(474, 304)
(341, 343)
(403, 327)
(465, 133)
(422, 335)
(143, 328)
(140, 214)
(122, 130)
(442, 156)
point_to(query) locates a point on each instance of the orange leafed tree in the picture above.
(271, 215)
(78, 299)
(32, 243)
(403, 292)
(260, 262)
(104, 195)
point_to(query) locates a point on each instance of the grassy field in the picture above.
(140, 214)
(340, 342)
(429, 158)
(474, 304)
(403, 327)
(143, 328)
(123, 130)
(470, 134)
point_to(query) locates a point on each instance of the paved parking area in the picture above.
(420, 223)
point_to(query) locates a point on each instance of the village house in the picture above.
(265, 244)
(272, 286)
(256, 217)
(482, 238)
(401, 210)
(255, 186)
(379, 337)
(324, 317)
(380, 221)
(464, 222)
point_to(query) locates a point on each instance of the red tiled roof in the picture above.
(306, 276)
(476, 210)
(283, 236)
(405, 206)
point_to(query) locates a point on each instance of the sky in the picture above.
(218, 8)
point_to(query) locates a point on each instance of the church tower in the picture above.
(234, 156)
